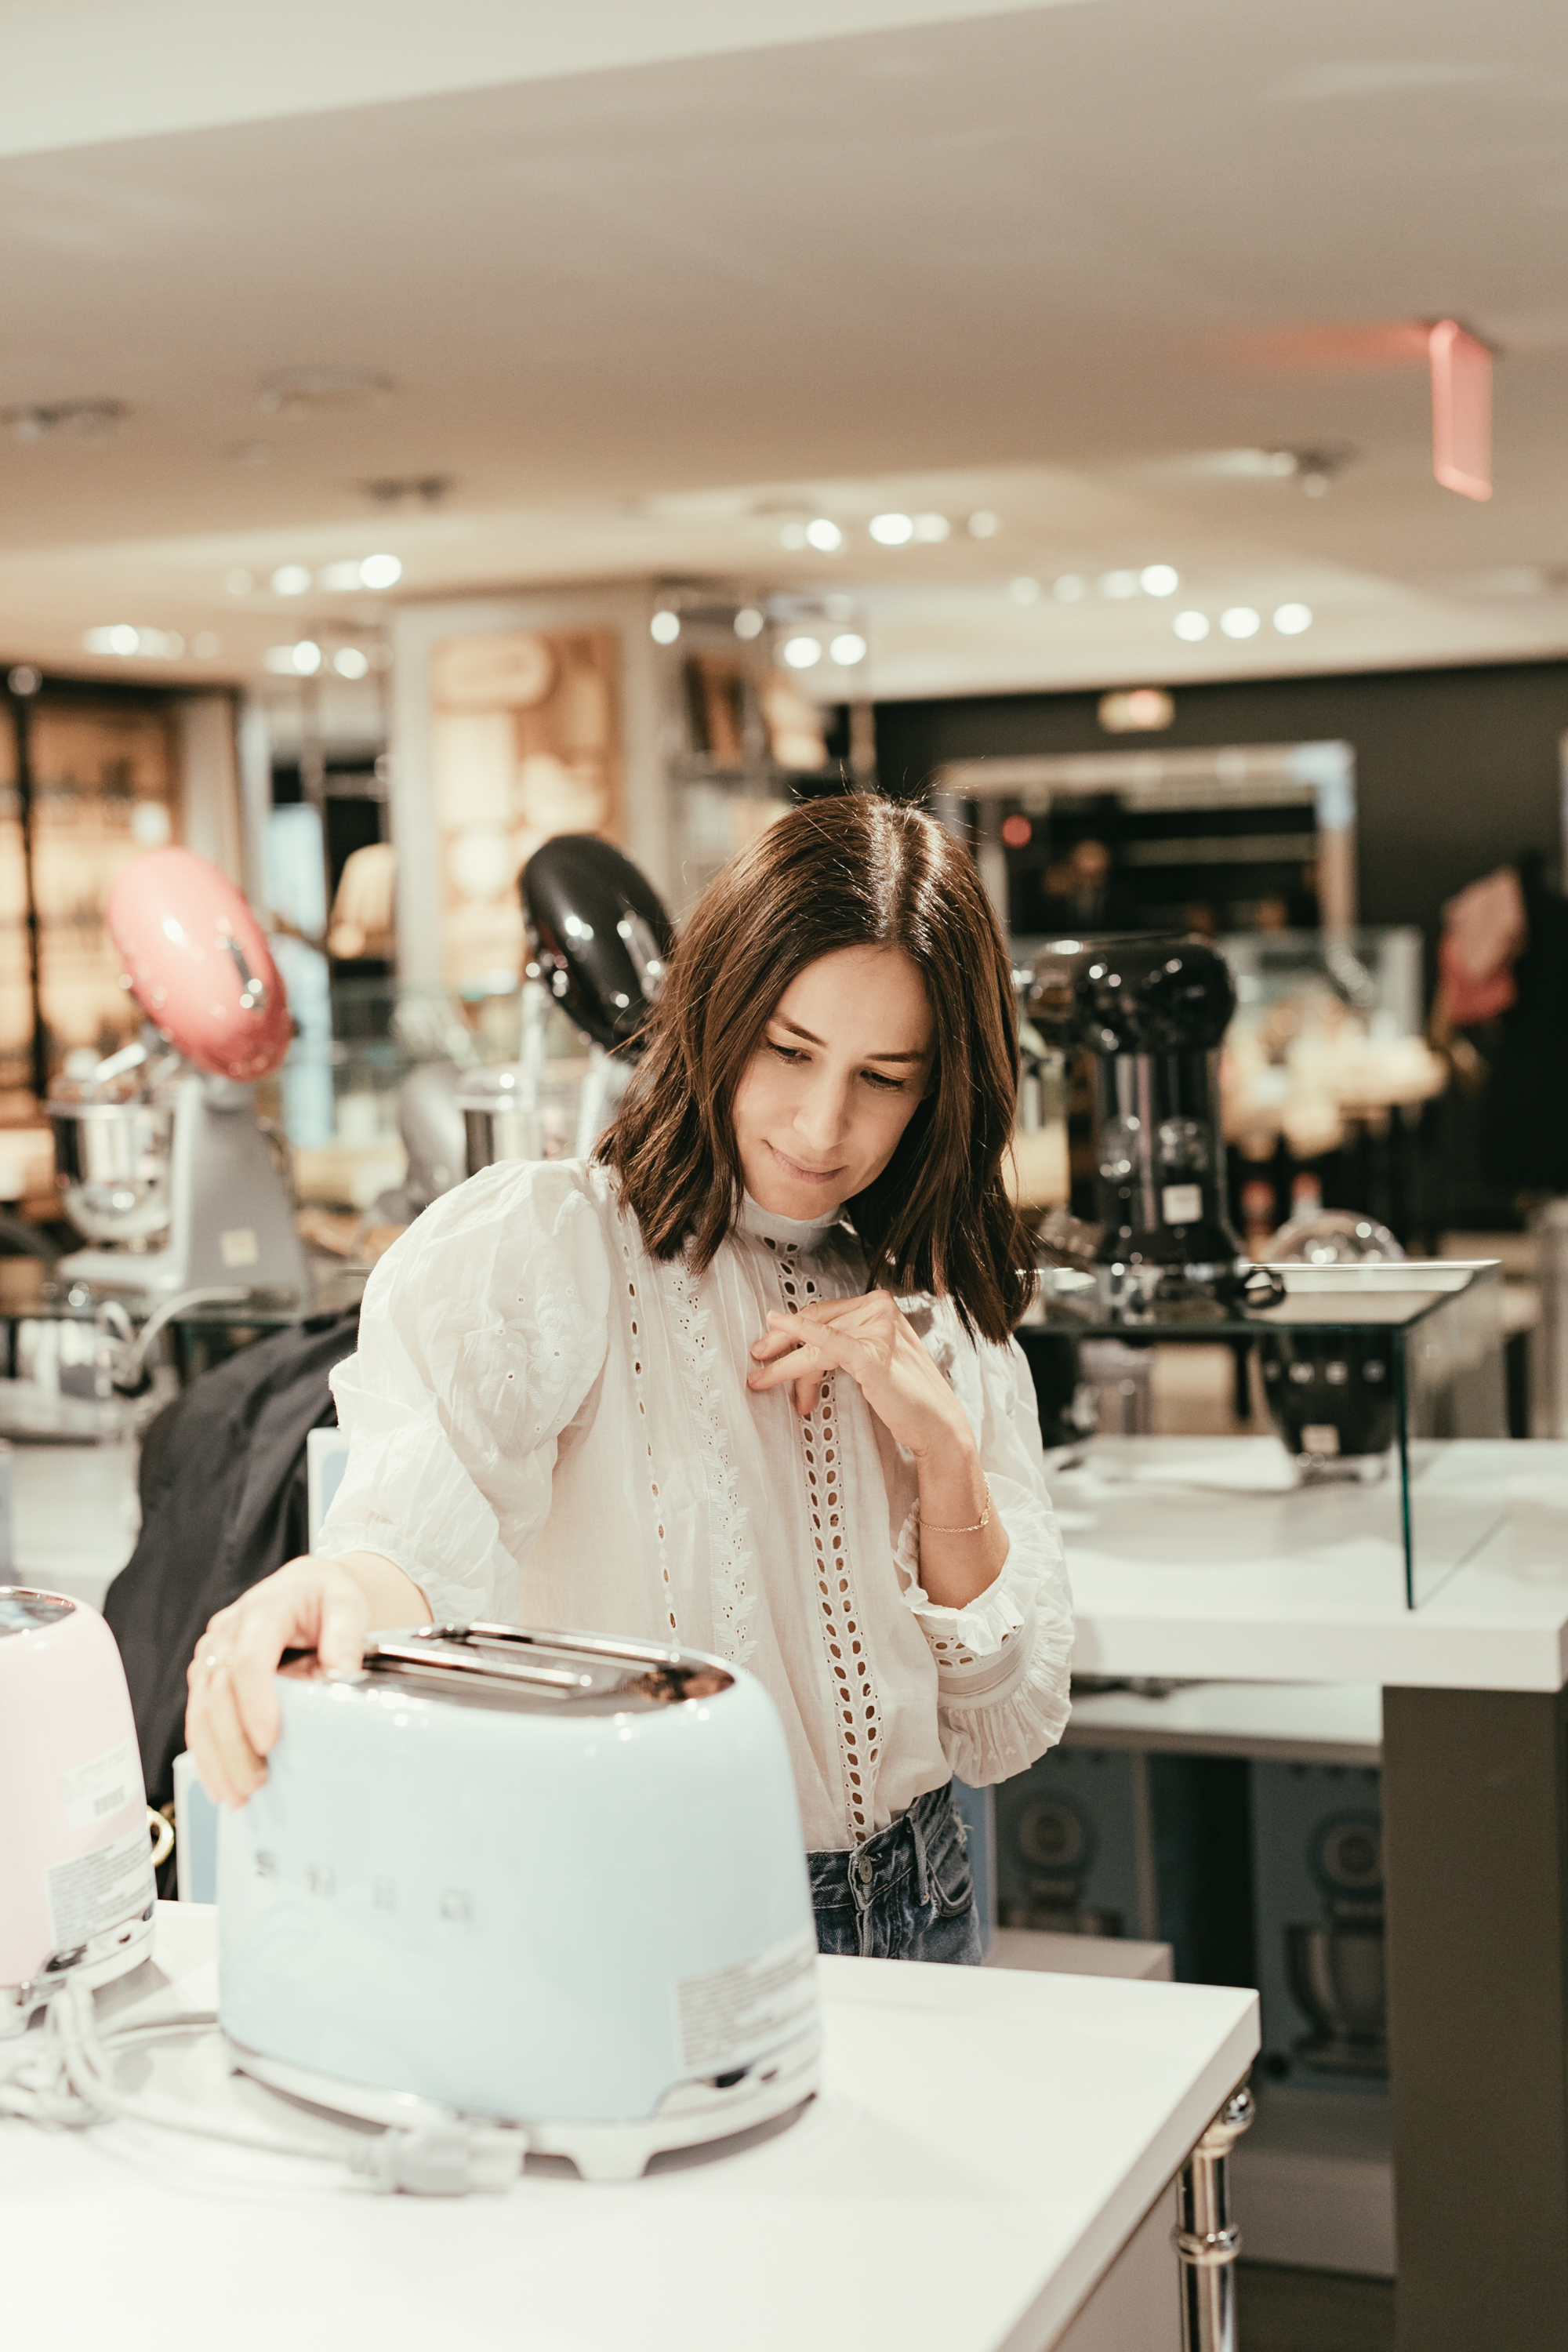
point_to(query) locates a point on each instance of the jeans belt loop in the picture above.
(923, 1876)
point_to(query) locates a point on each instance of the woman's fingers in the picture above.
(279, 1618)
(807, 1356)
(232, 1720)
(344, 1622)
(229, 1767)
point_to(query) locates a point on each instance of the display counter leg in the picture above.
(1474, 1810)
(1206, 2240)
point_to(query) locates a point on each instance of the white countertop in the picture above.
(1292, 1723)
(1182, 1579)
(1176, 1581)
(984, 2144)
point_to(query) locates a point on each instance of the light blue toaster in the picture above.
(544, 1879)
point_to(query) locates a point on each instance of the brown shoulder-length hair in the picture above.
(843, 873)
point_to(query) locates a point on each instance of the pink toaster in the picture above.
(75, 1866)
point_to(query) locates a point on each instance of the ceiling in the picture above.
(646, 311)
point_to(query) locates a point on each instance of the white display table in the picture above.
(985, 2146)
(1175, 1582)
(1188, 1581)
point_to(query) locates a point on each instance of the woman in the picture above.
(743, 1382)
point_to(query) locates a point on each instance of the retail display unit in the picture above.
(1246, 836)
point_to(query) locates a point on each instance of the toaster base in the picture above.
(690, 2116)
(110, 1954)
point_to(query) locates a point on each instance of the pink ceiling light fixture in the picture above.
(1461, 410)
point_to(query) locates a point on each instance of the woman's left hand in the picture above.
(870, 1339)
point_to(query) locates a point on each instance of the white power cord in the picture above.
(67, 2085)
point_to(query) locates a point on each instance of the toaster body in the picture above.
(541, 1878)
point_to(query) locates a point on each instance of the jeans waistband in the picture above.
(860, 1874)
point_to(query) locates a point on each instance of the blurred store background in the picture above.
(417, 448)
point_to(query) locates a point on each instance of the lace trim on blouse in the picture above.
(734, 1567)
(635, 1334)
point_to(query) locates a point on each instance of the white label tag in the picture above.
(1181, 1204)
(727, 2014)
(104, 1785)
(239, 1246)
(100, 1890)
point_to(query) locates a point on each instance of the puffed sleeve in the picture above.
(482, 1332)
(1002, 1661)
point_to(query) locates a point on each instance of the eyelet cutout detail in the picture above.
(857, 1710)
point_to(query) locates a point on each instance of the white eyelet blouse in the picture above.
(548, 1426)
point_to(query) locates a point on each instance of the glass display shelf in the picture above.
(76, 1370)
(1370, 1374)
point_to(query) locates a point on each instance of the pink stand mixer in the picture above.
(163, 1168)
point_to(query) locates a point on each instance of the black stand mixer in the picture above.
(1153, 1010)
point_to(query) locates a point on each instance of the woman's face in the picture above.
(825, 1098)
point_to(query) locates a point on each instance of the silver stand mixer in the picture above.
(177, 1189)
(163, 1165)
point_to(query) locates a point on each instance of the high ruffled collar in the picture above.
(793, 1236)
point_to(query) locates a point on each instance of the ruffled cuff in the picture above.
(963, 1637)
(982, 1626)
(990, 1733)
(1004, 1661)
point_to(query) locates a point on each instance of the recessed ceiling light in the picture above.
(983, 524)
(301, 660)
(89, 421)
(349, 662)
(1240, 621)
(1119, 585)
(932, 528)
(748, 621)
(825, 536)
(1192, 627)
(1024, 591)
(1143, 711)
(380, 571)
(1069, 589)
(892, 529)
(127, 642)
(848, 649)
(803, 653)
(1291, 619)
(295, 392)
(1159, 580)
(290, 580)
(664, 628)
(340, 577)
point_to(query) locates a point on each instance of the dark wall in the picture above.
(1456, 770)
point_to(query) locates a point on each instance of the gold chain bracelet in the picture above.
(983, 1521)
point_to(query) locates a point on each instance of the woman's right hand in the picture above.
(231, 1713)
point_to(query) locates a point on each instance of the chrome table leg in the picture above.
(1206, 2240)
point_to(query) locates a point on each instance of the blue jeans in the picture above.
(905, 1895)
